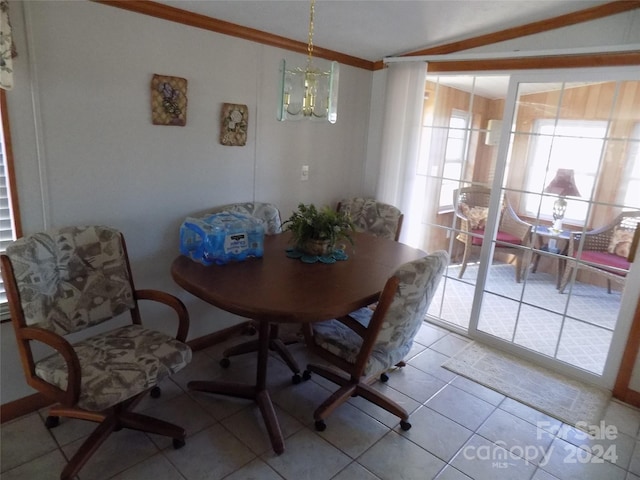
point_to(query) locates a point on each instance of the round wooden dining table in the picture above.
(278, 289)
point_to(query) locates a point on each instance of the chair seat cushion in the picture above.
(118, 365)
(343, 342)
(502, 237)
(605, 260)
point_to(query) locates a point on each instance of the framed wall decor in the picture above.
(234, 119)
(168, 100)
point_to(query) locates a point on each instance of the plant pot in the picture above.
(316, 247)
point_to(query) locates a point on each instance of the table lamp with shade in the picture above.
(563, 185)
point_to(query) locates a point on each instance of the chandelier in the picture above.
(308, 92)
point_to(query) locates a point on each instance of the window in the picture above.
(455, 153)
(570, 144)
(8, 207)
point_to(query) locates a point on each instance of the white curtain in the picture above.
(401, 132)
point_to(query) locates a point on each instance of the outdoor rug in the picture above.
(556, 395)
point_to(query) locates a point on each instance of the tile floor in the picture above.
(461, 430)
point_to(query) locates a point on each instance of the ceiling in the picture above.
(374, 29)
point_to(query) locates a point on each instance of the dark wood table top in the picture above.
(277, 288)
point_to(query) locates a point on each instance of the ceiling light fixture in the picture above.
(308, 92)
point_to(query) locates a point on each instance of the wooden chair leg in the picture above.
(565, 278)
(144, 423)
(60, 411)
(336, 399)
(518, 268)
(280, 348)
(241, 348)
(88, 448)
(109, 421)
(334, 375)
(465, 259)
(377, 398)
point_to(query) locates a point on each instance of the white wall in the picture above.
(86, 69)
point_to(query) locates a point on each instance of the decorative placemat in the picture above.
(337, 255)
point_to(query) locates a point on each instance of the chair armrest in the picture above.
(65, 349)
(514, 225)
(173, 302)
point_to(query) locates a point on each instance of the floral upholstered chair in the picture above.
(362, 349)
(267, 212)
(369, 215)
(64, 281)
(472, 207)
(604, 250)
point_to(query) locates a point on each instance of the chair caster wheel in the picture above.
(306, 375)
(155, 392)
(52, 422)
(178, 443)
(225, 362)
(321, 426)
(405, 425)
(384, 377)
(249, 330)
(296, 379)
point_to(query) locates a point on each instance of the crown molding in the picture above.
(184, 17)
(574, 18)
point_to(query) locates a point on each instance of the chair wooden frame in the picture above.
(598, 240)
(509, 223)
(350, 376)
(112, 419)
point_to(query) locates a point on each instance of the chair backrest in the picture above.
(369, 215)
(411, 290)
(266, 212)
(615, 237)
(472, 204)
(70, 278)
(473, 196)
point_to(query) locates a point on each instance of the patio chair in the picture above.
(472, 207)
(604, 250)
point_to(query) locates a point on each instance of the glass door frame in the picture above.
(631, 291)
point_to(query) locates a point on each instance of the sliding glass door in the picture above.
(537, 181)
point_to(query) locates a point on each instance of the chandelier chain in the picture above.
(310, 42)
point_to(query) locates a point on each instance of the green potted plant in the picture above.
(315, 231)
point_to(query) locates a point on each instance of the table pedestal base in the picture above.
(257, 392)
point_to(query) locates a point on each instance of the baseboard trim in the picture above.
(214, 338)
(23, 406)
